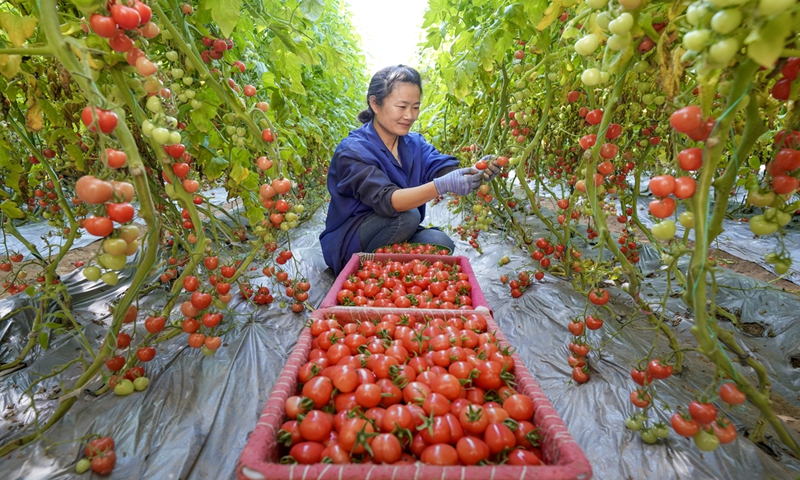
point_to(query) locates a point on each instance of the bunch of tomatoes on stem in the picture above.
(397, 388)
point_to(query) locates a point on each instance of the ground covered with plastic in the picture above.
(194, 419)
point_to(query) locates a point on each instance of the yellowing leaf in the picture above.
(225, 13)
(34, 118)
(10, 209)
(18, 28)
(9, 65)
(550, 14)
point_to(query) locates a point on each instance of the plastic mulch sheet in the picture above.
(194, 419)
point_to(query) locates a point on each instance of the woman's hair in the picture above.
(383, 83)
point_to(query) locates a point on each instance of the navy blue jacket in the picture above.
(361, 179)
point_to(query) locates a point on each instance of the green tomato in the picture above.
(141, 383)
(775, 215)
(587, 45)
(590, 77)
(603, 19)
(114, 262)
(596, 4)
(648, 98)
(622, 24)
(695, 40)
(174, 138)
(123, 388)
(160, 134)
(634, 423)
(759, 225)
(83, 465)
(726, 21)
(664, 230)
(723, 51)
(760, 199)
(661, 430)
(686, 219)
(641, 66)
(695, 13)
(110, 278)
(299, 208)
(782, 267)
(772, 258)
(154, 104)
(92, 273)
(619, 42)
(659, 100)
(172, 55)
(706, 441)
(208, 352)
(115, 246)
(648, 436)
(147, 127)
(769, 8)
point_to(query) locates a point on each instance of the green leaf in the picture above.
(312, 9)
(12, 179)
(754, 162)
(239, 173)
(18, 28)
(10, 209)
(550, 14)
(214, 169)
(201, 118)
(225, 14)
(43, 336)
(76, 154)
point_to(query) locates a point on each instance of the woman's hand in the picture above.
(459, 182)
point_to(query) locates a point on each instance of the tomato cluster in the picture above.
(282, 214)
(395, 389)
(412, 284)
(414, 249)
(100, 457)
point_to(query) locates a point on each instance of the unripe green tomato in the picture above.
(177, 73)
(648, 436)
(174, 137)
(160, 134)
(299, 208)
(113, 262)
(517, 69)
(603, 19)
(723, 51)
(659, 100)
(772, 258)
(759, 199)
(290, 216)
(641, 66)
(147, 127)
(633, 423)
(115, 246)
(285, 226)
(587, 45)
(172, 55)
(596, 4)
(648, 98)
(110, 278)
(769, 8)
(123, 388)
(190, 94)
(621, 24)
(661, 430)
(83, 465)
(686, 219)
(141, 383)
(726, 21)
(292, 224)
(197, 104)
(759, 225)
(695, 13)
(182, 98)
(664, 230)
(705, 441)
(188, 81)
(696, 39)
(618, 42)
(166, 34)
(91, 273)
(782, 267)
(590, 77)
(208, 352)
(154, 104)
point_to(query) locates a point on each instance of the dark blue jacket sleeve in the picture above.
(437, 164)
(366, 183)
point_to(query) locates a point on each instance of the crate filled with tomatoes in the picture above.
(388, 394)
(399, 280)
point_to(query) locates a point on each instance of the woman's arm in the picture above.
(405, 199)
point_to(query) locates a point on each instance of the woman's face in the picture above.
(399, 110)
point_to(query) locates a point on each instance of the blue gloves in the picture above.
(459, 182)
(493, 169)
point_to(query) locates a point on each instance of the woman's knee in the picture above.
(409, 220)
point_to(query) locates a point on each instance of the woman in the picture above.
(381, 175)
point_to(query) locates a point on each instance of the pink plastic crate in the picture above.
(563, 457)
(352, 266)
